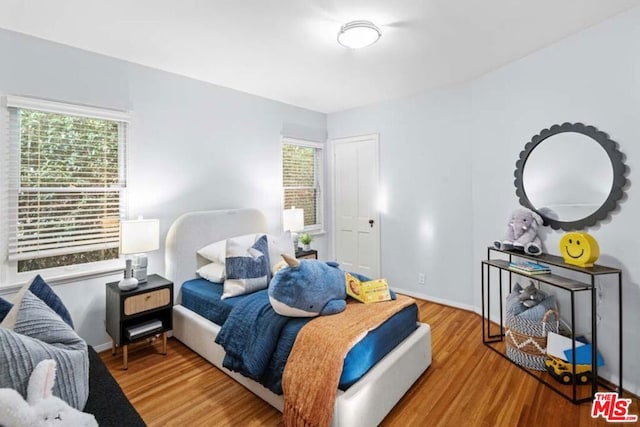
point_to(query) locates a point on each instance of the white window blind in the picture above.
(67, 176)
(301, 177)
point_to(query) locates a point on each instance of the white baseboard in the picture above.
(449, 303)
(102, 347)
(437, 300)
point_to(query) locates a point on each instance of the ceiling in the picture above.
(286, 50)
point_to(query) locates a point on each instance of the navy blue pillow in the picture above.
(5, 306)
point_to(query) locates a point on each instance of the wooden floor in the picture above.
(467, 384)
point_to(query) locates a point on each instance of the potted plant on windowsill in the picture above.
(305, 239)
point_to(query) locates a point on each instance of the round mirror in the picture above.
(572, 175)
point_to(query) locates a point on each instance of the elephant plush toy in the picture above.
(522, 233)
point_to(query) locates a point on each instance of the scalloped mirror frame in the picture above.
(620, 170)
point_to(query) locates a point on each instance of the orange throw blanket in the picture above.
(312, 373)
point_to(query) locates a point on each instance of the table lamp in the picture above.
(293, 221)
(137, 236)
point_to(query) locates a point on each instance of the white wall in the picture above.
(592, 77)
(425, 168)
(194, 146)
(449, 156)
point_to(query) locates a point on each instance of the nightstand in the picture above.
(139, 313)
(310, 254)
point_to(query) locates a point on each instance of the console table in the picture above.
(495, 339)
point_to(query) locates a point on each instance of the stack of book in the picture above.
(529, 267)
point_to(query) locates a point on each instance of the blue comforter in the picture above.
(257, 340)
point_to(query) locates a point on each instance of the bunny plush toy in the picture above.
(41, 408)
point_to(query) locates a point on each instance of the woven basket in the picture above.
(527, 339)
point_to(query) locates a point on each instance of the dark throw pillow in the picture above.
(5, 306)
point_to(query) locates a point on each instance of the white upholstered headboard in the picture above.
(192, 231)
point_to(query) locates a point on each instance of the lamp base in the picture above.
(128, 284)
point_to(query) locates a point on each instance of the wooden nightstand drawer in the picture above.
(147, 301)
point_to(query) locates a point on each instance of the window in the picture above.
(66, 181)
(301, 178)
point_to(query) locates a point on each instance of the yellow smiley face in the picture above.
(579, 249)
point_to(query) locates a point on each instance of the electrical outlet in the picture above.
(421, 278)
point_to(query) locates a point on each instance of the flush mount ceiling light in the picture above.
(358, 34)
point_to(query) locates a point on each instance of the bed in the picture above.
(365, 402)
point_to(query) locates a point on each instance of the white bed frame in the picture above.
(365, 403)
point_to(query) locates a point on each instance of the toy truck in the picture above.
(563, 371)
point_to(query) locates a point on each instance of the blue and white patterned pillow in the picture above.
(247, 269)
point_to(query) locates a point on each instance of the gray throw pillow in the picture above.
(37, 334)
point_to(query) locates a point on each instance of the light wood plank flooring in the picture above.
(466, 385)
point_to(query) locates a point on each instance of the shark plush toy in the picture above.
(308, 288)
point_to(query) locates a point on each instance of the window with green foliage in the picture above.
(66, 184)
(301, 177)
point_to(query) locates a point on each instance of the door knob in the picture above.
(371, 223)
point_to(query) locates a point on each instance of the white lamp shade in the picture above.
(293, 220)
(139, 235)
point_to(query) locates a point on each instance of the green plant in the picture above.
(305, 238)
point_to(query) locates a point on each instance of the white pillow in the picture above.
(278, 245)
(213, 272)
(217, 252)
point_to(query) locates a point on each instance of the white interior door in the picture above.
(357, 225)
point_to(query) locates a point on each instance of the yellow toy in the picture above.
(579, 249)
(563, 371)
